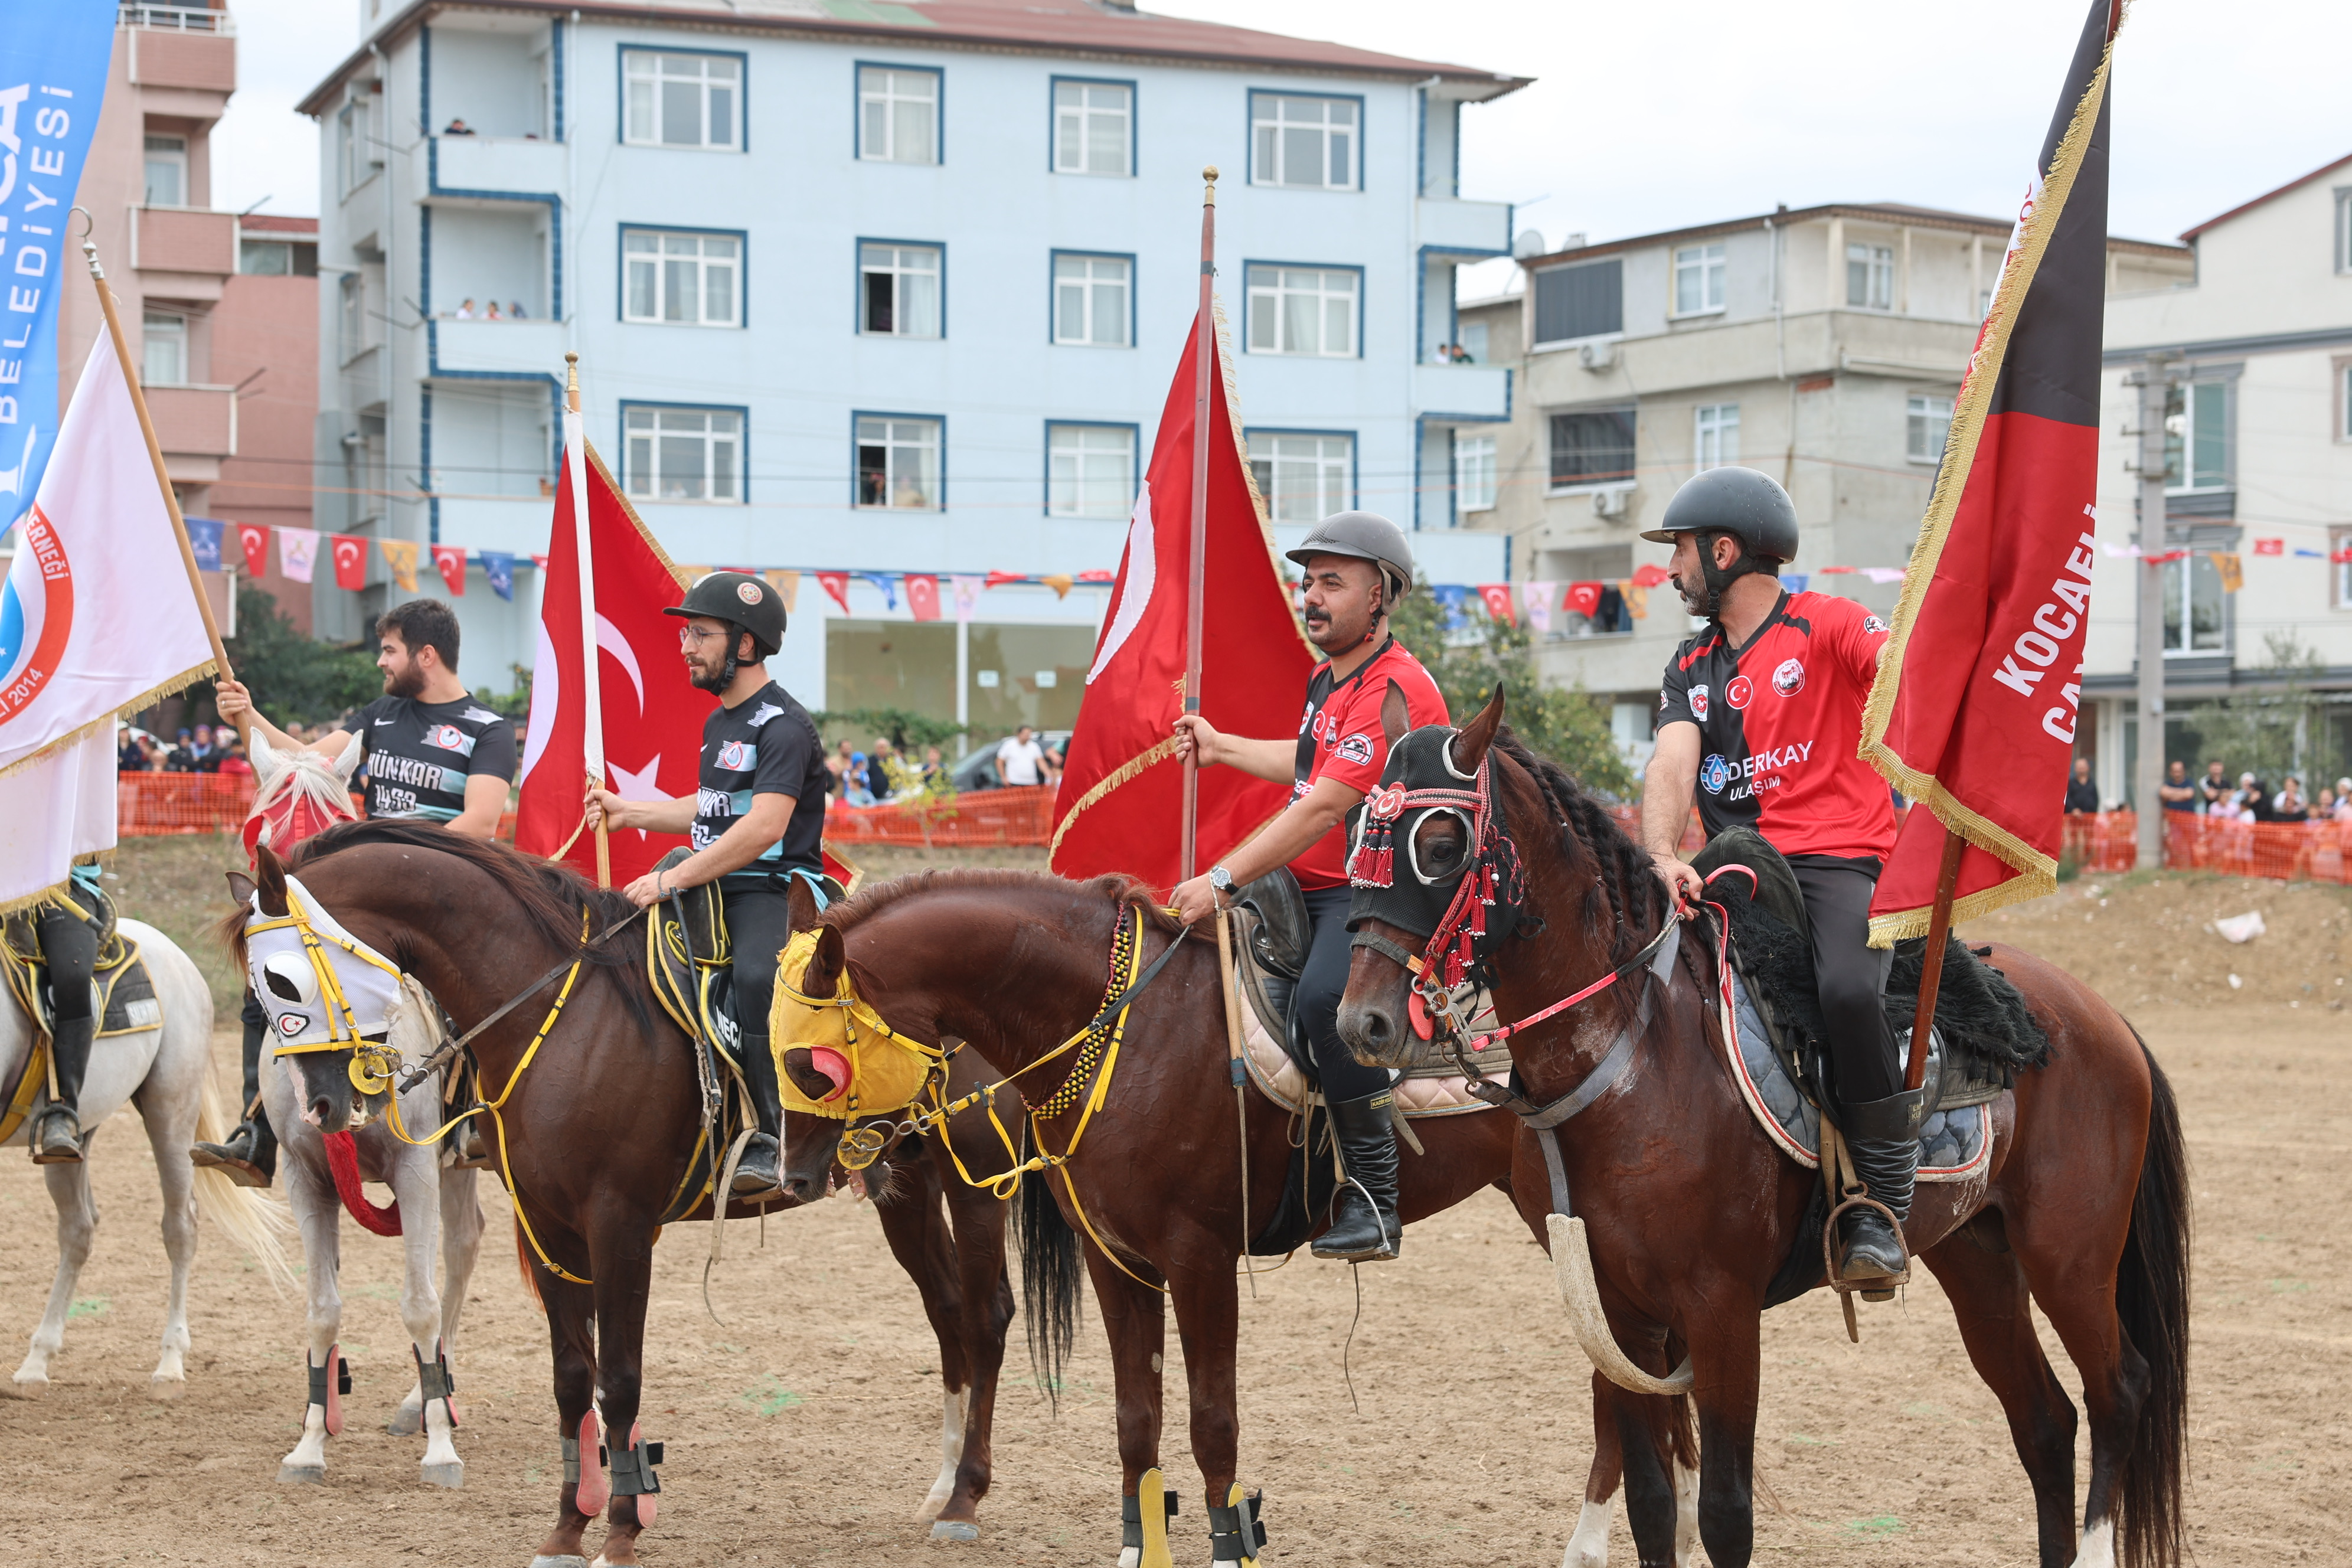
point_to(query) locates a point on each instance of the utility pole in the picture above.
(2148, 774)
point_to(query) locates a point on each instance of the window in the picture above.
(1091, 120)
(1089, 470)
(1304, 479)
(164, 359)
(898, 114)
(1472, 339)
(898, 289)
(1927, 421)
(683, 454)
(1698, 279)
(682, 280)
(167, 172)
(1587, 301)
(1303, 311)
(357, 157)
(1716, 435)
(1091, 299)
(278, 257)
(682, 100)
(2196, 581)
(1592, 446)
(351, 331)
(2196, 436)
(1474, 471)
(899, 463)
(1870, 276)
(1308, 141)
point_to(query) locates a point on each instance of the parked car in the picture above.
(977, 769)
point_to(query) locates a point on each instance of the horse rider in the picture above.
(66, 925)
(756, 822)
(1359, 567)
(1760, 717)
(430, 751)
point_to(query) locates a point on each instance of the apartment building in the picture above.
(876, 288)
(1822, 346)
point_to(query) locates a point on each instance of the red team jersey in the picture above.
(1340, 737)
(1779, 722)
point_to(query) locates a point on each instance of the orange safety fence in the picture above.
(156, 806)
(971, 819)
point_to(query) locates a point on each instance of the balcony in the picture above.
(1468, 391)
(499, 348)
(183, 239)
(514, 165)
(194, 421)
(191, 47)
(1466, 226)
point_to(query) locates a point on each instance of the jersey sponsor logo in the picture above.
(1790, 678)
(1699, 700)
(762, 714)
(1713, 773)
(1872, 626)
(738, 756)
(382, 722)
(1357, 749)
(1759, 771)
(447, 737)
(479, 716)
(713, 803)
(1737, 690)
(386, 767)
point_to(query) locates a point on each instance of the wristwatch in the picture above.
(1221, 880)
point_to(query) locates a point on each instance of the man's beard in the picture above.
(1324, 635)
(710, 679)
(406, 682)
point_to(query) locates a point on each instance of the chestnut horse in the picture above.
(1690, 1212)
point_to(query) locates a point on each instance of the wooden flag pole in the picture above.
(1931, 963)
(155, 456)
(592, 732)
(1205, 329)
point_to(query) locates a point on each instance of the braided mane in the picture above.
(1626, 892)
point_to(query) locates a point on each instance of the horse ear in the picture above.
(1396, 720)
(265, 758)
(272, 883)
(823, 972)
(1470, 745)
(347, 761)
(240, 888)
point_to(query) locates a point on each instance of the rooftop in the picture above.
(1897, 212)
(2294, 184)
(270, 223)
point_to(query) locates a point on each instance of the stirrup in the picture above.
(44, 1152)
(762, 1182)
(233, 1157)
(469, 1150)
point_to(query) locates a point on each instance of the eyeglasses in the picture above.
(691, 636)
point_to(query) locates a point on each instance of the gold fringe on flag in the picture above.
(124, 713)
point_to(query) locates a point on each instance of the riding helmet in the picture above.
(1367, 536)
(739, 599)
(1750, 506)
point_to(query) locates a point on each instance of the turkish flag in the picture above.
(836, 588)
(253, 538)
(1121, 799)
(923, 595)
(1584, 599)
(1646, 576)
(449, 559)
(2270, 546)
(1979, 690)
(351, 561)
(1497, 598)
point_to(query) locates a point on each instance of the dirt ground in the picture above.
(803, 1430)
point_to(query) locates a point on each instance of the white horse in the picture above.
(166, 1071)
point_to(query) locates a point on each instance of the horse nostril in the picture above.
(1376, 1027)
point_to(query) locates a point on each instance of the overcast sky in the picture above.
(1649, 116)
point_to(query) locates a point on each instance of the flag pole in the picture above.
(592, 734)
(162, 474)
(1931, 963)
(1205, 329)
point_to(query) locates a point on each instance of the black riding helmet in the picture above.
(1367, 536)
(1748, 506)
(746, 604)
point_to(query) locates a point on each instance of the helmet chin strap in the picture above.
(1720, 578)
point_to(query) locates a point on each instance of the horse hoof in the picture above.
(567, 1562)
(405, 1422)
(166, 1389)
(302, 1475)
(955, 1530)
(451, 1474)
(29, 1388)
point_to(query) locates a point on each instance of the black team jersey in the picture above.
(418, 755)
(766, 744)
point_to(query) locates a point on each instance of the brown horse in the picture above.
(1014, 963)
(1690, 1212)
(598, 1132)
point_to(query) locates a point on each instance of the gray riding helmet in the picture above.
(1367, 536)
(1750, 506)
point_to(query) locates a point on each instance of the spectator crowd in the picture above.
(884, 773)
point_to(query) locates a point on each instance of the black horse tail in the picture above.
(2152, 1299)
(1051, 1268)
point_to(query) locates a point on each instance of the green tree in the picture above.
(294, 679)
(2274, 729)
(1568, 724)
(909, 730)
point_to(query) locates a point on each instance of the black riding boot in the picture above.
(756, 1172)
(56, 1135)
(1882, 1136)
(1364, 1230)
(249, 1155)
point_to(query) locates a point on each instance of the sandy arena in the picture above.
(805, 1430)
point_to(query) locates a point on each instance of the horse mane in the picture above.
(1627, 893)
(305, 774)
(1118, 889)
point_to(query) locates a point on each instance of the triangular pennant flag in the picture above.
(204, 538)
(889, 590)
(351, 561)
(1535, 601)
(1497, 598)
(1584, 598)
(497, 565)
(298, 553)
(967, 595)
(998, 579)
(1059, 581)
(1098, 576)
(836, 588)
(449, 559)
(253, 538)
(2231, 571)
(787, 586)
(400, 560)
(2262, 546)
(1650, 576)
(923, 595)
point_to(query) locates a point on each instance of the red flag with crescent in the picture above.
(351, 561)
(253, 538)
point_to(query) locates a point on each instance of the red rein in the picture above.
(343, 1160)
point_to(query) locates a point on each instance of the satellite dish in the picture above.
(1529, 246)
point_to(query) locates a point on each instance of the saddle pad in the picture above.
(1421, 1092)
(129, 990)
(1954, 1144)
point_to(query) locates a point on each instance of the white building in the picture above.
(882, 286)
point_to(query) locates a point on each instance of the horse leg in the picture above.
(77, 1209)
(319, 1212)
(171, 1128)
(1727, 1355)
(1208, 1314)
(1135, 1318)
(571, 1333)
(1589, 1547)
(2076, 1291)
(978, 1225)
(417, 1181)
(461, 1243)
(917, 1232)
(623, 1281)
(1989, 1297)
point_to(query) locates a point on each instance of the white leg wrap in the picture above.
(1589, 1547)
(1685, 1518)
(2098, 1547)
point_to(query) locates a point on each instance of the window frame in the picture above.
(2226, 379)
(1250, 120)
(743, 451)
(177, 157)
(2185, 567)
(1462, 502)
(938, 248)
(1134, 467)
(939, 422)
(1250, 433)
(1249, 307)
(1556, 486)
(742, 265)
(1700, 462)
(1713, 251)
(1053, 299)
(857, 70)
(355, 123)
(1535, 313)
(1876, 253)
(622, 51)
(1053, 125)
(148, 317)
(351, 316)
(1912, 414)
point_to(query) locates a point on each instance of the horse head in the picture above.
(300, 793)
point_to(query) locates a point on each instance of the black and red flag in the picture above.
(1973, 712)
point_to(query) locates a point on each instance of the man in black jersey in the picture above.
(430, 751)
(756, 822)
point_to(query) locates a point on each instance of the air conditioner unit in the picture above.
(1599, 355)
(1610, 504)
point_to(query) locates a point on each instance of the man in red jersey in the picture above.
(1760, 717)
(1358, 567)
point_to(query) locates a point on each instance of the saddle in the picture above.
(126, 1000)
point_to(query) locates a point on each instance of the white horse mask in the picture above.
(323, 988)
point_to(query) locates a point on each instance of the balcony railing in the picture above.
(194, 421)
(177, 20)
(183, 239)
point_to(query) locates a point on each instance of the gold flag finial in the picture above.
(571, 377)
(1209, 198)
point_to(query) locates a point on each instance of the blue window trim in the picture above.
(857, 110)
(1362, 284)
(1451, 422)
(1134, 458)
(1249, 128)
(1355, 456)
(1421, 288)
(742, 444)
(939, 419)
(1053, 121)
(621, 52)
(858, 304)
(742, 237)
(1053, 304)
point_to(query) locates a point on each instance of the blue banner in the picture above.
(54, 61)
(498, 566)
(205, 538)
(888, 583)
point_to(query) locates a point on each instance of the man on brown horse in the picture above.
(430, 751)
(756, 822)
(1358, 567)
(1762, 710)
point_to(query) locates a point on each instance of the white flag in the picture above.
(298, 553)
(55, 807)
(967, 595)
(1535, 599)
(97, 617)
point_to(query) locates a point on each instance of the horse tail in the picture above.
(1682, 1430)
(530, 1274)
(1051, 1268)
(2152, 1299)
(249, 1216)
